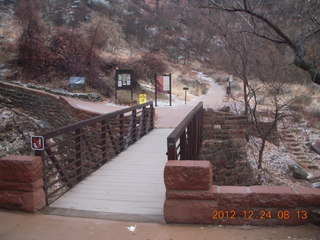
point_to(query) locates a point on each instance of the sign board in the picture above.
(163, 84)
(142, 98)
(37, 143)
(76, 82)
(124, 79)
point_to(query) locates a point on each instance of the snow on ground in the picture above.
(215, 93)
(276, 162)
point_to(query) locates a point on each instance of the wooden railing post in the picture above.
(104, 141)
(121, 138)
(172, 153)
(152, 110)
(189, 132)
(78, 154)
(134, 126)
(144, 122)
(183, 146)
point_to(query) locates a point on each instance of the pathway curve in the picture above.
(165, 116)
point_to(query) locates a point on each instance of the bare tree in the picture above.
(266, 25)
(240, 54)
(257, 84)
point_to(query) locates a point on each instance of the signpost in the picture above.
(163, 85)
(37, 143)
(185, 94)
(124, 81)
(230, 79)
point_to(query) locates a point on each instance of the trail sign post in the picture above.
(124, 81)
(230, 79)
(37, 143)
(163, 85)
(185, 94)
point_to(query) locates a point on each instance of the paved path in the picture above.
(129, 187)
(165, 116)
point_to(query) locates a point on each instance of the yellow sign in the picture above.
(142, 98)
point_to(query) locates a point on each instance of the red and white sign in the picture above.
(163, 84)
(37, 143)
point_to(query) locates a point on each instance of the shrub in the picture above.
(32, 51)
(74, 55)
(144, 68)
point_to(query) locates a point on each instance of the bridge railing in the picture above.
(73, 152)
(184, 142)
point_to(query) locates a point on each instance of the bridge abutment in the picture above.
(21, 183)
(232, 205)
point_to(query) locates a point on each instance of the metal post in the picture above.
(170, 90)
(185, 94)
(155, 89)
(78, 154)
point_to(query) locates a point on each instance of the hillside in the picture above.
(273, 63)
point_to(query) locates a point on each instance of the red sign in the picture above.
(37, 143)
(163, 84)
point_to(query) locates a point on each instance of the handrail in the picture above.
(73, 152)
(185, 140)
(93, 120)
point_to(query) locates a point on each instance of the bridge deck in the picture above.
(128, 187)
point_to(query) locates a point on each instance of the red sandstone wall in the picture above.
(56, 110)
(21, 183)
(191, 198)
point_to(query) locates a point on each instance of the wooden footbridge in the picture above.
(111, 166)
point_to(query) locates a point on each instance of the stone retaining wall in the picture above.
(54, 109)
(225, 146)
(191, 198)
(224, 125)
(21, 183)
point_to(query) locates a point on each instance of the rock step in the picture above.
(293, 144)
(314, 179)
(288, 137)
(300, 152)
(313, 167)
(295, 149)
(289, 140)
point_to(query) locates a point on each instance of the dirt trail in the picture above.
(21, 226)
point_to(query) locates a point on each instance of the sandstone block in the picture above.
(189, 211)
(188, 175)
(26, 201)
(211, 194)
(20, 168)
(273, 196)
(234, 198)
(309, 197)
(22, 186)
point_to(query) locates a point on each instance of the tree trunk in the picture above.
(309, 67)
(246, 102)
(261, 150)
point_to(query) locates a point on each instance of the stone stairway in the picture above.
(297, 151)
